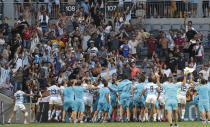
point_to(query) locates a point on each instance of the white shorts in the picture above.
(181, 99)
(88, 100)
(60, 102)
(161, 100)
(53, 101)
(151, 99)
(19, 107)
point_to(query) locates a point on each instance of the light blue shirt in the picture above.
(138, 90)
(68, 94)
(79, 93)
(103, 91)
(114, 89)
(124, 88)
(171, 90)
(203, 91)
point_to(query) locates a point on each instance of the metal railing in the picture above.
(162, 8)
(151, 8)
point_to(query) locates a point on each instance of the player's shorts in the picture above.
(151, 99)
(113, 102)
(124, 102)
(88, 100)
(103, 107)
(60, 102)
(203, 107)
(139, 103)
(161, 100)
(79, 106)
(53, 101)
(19, 107)
(181, 99)
(68, 104)
(171, 104)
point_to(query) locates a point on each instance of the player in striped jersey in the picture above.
(19, 104)
(151, 88)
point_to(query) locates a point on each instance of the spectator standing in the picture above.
(179, 42)
(205, 72)
(5, 29)
(164, 42)
(6, 88)
(133, 43)
(125, 48)
(199, 53)
(26, 37)
(151, 42)
(44, 20)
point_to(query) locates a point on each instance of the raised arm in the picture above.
(185, 79)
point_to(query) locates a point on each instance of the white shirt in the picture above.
(133, 45)
(205, 74)
(93, 51)
(200, 50)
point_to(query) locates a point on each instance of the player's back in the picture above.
(203, 91)
(54, 91)
(68, 93)
(102, 97)
(19, 98)
(126, 90)
(171, 90)
(183, 90)
(79, 92)
(151, 88)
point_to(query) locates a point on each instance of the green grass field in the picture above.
(162, 124)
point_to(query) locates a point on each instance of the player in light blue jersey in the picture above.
(112, 85)
(151, 88)
(54, 92)
(139, 104)
(103, 102)
(19, 104)
(209, 91)
(126, 92)
(171, 103)
(68, 99)
(79, 105)
(203, 104)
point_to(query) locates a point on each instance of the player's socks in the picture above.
(143, 119)
(209, 121)
(49, 114)
(9, 121)
(154, 117)
(52, 114)
(203, 121)
(146, 114)
(158, 118)
(171, 125)
(183, 112)
(57, 114)
(25, 122)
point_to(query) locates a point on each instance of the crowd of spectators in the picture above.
(84, 45)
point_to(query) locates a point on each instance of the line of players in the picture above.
(147, 99)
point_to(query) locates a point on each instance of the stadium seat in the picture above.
(156, 27)
(147, 27)
(176, 26)
(196, 26)
(204, 27)
(166, 27)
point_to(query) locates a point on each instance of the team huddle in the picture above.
(155, 98)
